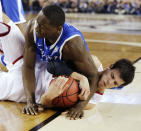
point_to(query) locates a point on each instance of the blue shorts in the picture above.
(14, 9)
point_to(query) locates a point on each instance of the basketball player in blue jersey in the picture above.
(49, 39)
(14, 10)
(12, 43)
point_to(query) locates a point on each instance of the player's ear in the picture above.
(110, 67)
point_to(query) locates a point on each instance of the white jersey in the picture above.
(12, 45)
(11, 85)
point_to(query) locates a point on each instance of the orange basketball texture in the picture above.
(69, 97)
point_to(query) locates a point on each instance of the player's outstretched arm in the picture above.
(77, 111)
(60, 68)
(28, 72)
(75, 51)
(83, 84)
(55, 89)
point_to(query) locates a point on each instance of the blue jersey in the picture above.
(13, 9)
(54, 52)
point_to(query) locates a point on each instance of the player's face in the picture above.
(110, 78)
(44, 29)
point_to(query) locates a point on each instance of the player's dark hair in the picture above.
(54, 14)
(127, 70)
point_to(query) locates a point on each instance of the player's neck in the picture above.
(51, 40)
(99, 77)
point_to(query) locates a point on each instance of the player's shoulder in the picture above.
(74, 42)
(74, 48)
(29, 32)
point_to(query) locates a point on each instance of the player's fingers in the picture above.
(60, 82)
(70, 114)
(27, 111)
(82, 115)
(78, 116)
(73, 115)
(34, 110)
(64, 113)
(24, 111)
(41, 108)
(82, 95)
(31, 111)
(82, 92)
(88, 92)
(57, 81)
(63, 84)
(85, 95)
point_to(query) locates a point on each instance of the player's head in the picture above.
(4, 29)
(50, 21)
(120, 73)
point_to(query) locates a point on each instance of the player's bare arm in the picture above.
(83, 84)
(74, 50)
(28, 71)
(59, 84)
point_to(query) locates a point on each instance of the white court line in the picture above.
(115, 42)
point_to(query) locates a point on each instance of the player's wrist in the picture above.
(30, 101)
(48, 97)
(46, 100)
(84, 81)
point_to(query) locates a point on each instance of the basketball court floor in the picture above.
(110, 37)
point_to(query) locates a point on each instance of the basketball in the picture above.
(69, 97)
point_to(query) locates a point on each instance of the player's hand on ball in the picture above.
(85, 88)
(74, 113)
(57, 87)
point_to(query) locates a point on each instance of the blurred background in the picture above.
(132, 7)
